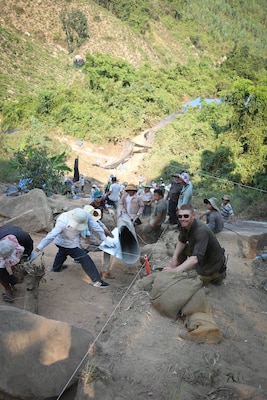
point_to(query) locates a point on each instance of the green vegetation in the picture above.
(39, 170)
(111, 99)
(75, 27)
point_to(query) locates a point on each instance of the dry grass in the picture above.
(34, 50)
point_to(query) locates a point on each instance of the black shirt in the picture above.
(23, 237)
(175, 191)
(204, 245)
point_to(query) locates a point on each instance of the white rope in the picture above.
(234, 183)
(106, 323)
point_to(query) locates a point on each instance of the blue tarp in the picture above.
(197, 102)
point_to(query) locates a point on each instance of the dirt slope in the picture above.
(142, 354)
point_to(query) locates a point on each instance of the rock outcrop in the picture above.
(37, 355)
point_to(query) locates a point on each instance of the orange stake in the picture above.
(148, 269)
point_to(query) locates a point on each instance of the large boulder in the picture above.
(37, 355)
(29, 211)
(59, 203)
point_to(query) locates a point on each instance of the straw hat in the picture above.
(95, 212)
(78, 219)
(129, 187)
(213, 202)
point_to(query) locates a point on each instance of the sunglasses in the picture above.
(186, 216)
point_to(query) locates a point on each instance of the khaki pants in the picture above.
(216, 278)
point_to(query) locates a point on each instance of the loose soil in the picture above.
(141, 354)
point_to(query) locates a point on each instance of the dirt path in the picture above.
(90, 155)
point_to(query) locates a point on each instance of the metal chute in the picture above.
(125, 241)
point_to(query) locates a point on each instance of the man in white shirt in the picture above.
(70, 227)
(113, 195)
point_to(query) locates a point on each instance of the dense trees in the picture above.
(113, 100)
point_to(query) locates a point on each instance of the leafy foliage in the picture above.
(39, 170)
(111, 100)
(75, 26)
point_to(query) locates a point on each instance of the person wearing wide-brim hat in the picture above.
(70, 227)
(213, 216)
(132, 204)
(226, 209)
(10, 254)
(147, 197)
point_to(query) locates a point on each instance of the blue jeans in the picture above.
(80, 255)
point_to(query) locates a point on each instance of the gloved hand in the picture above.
(109, 244)
(34, 255)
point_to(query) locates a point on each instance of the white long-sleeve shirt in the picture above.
(65, 236)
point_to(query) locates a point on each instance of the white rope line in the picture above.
(234, 183)
(106, 323)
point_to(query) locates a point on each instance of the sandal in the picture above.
(6, 297)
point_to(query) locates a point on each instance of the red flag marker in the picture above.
(148, 269)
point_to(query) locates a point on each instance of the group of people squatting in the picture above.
(148, 206)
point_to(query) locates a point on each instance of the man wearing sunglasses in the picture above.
(198, 248)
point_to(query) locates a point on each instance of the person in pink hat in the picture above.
(10, 254)
(187, 190)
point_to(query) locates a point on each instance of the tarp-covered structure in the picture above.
(198, 102)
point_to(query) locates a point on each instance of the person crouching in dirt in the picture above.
(132, 204)
(70, 227)
(213, 216)
(198, 248)
(22, 237)
(97, 238)
(152, 231)
(10, 254)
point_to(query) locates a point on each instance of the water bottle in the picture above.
(262, 257)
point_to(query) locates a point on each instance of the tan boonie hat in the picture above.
(78, 219)
(95, 212)
(226, 197)
(213, 202)
(129, 187)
